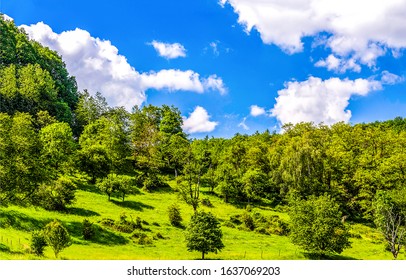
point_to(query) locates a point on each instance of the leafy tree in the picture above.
(20, 153)
(57, 236)
(390, 218)
(315, 225)
(120, 184)
(204, 234)
(55, 195)
(174, 215)
(38, 242)
(94, 160)
(57, 144)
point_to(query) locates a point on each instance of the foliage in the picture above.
(88, 230)
(204, 234)
(174, 215)
(55, 195)
(38, 243)
(390, 218)
(315, 225)
(117, 184)
(57, 236)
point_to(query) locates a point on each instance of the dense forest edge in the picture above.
(75, 172)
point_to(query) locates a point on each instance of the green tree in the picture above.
(390, 218)
(57, 236)
(55, 195)
(204, 234)
(93, 160)
(57, 145)
(316, 226)
(119, 184)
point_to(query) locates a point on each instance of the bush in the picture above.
(88, 230)
(57, 236)
(206, 202)
(153, 182)
(144, 239)
(236, 219)
(124, 225)
(277, 226)
(174, 215)
(248, 221)
(56, 195)
(38, 243)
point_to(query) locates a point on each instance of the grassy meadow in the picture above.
(17, 223)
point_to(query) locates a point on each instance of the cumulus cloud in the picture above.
(338, 64)
(98, 67)
(359, 31)
(169, 51)
(198, 121)
(316, 100)
(256, 111)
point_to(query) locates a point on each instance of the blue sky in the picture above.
(232, 65)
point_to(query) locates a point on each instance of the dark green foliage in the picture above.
(124, 224)
(38, 243)
(55, 195)
(32, 77)
(248, 221)
(88, 230)
(315, 225)
(174, 215)
(206, 202)
(153, 182)
(204, 234)
(57, 236)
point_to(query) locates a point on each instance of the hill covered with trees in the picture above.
(56, 142)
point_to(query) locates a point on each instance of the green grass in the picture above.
(17, 223)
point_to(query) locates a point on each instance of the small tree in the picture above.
(55, 195)
(315, 225)
(204, 234)
(390, 218)
(119, 184)
(38, 243)
(174, 215)
(88, 229)
(57, 236)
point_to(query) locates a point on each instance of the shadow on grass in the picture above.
(135, 205)
(89, 188)
(314, 256)
(20, 221)
(102, 235)
(81, 212)
(4, 248)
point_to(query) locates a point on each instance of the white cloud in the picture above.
(169, 51)
(316, 100)
(243, 124)
(388, 78)
(361, 30)
(339, 64)
(214, 47)
(256, 111)
(99, 67)
(6, 17)
(198, 121)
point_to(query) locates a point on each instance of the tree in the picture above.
(57, 145)
(204, 234)
(113, 183)
(94, 161)
(57, 236)
(20, 154)
(174, 215)
(316, 226)
(390, 218)
(55, 195)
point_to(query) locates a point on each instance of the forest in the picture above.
(321, 188)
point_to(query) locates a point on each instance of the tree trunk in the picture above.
(202, 255)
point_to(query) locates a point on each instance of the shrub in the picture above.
(88, 230)
(206, 202)
(277, 226)
(56, 195)
(57, 236)
(153, 182)
(144, 239)
(38, 243)
(248, 221)
(174, 215)
(236, 219)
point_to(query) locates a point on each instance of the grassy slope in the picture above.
(16, 224)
